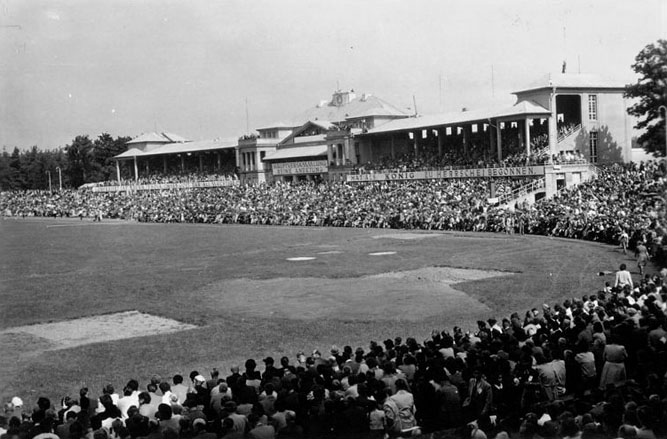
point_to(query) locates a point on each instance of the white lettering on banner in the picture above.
(517, 171)
(302, 167)
(166, 186)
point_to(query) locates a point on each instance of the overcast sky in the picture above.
(130, 66)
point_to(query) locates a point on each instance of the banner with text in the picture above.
(166, 186)
(298, 168)
(518, 171)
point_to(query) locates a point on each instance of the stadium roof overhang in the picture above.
(298, 152)
(520, 110)
(181, 148)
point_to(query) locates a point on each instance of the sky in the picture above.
(126, 67)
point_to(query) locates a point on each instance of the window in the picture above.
(593, 146)
(593, 107)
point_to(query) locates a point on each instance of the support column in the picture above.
(164, 164)
(182, 163)
(440, 142)
(526, 135)
(415, 145)
(238, 159)
(260, 163)
(466, 138)
(553, 127)
(491, 140)
(329, 153)
(499, 142)
(217, 160)
(118, 171)
(393, 150)
(136, 169)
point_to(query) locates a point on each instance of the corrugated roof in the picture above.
(523, 108)
(573, 80)
(185, 147)
(158, 137)
(298, 152)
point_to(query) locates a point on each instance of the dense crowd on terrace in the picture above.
(159, 178)
(621, 199)
(590, 367)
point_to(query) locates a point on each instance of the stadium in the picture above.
(356, 269)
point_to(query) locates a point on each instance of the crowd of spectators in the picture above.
(159, 178)
(593, 367)
(589, 367)
(622, 199)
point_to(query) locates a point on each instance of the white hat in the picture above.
(18, 402)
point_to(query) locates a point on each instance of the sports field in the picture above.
(126, 300)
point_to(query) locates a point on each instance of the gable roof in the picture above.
(359, 107)
(157, 138)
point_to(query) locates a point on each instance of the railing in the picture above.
(522, 190)
(564, 136)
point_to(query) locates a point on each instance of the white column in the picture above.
(118, 171)
(201, 163)
(553, 127)
(164, 164)
(499, 141)
(526, 134)
(393, 152)
(260, 164)
(136, 169)
(329, 153)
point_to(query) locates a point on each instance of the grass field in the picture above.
(236, 285)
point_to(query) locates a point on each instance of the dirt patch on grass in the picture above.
(86, 330)
(405, 295)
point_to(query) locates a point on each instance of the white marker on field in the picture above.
(381, 253)
(301, 258)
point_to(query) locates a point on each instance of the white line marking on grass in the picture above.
(381, 253)
(84, 224)
(331, 252)
(301, 258)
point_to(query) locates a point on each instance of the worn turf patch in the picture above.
(406, 295)
(86, 330)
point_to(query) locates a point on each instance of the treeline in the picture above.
(82, 161)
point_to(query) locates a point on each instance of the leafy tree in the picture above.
(650, 90)
(79, 160)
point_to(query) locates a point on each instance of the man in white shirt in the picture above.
(623, 277)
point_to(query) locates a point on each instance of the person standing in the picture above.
(642, 257)
(623, 241)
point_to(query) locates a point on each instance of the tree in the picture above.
(78, 160)
(650, 90)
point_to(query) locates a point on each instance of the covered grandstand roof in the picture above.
(573, 80)
(298, 152)
(185, 147)
(523, 108)
(158, 138)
